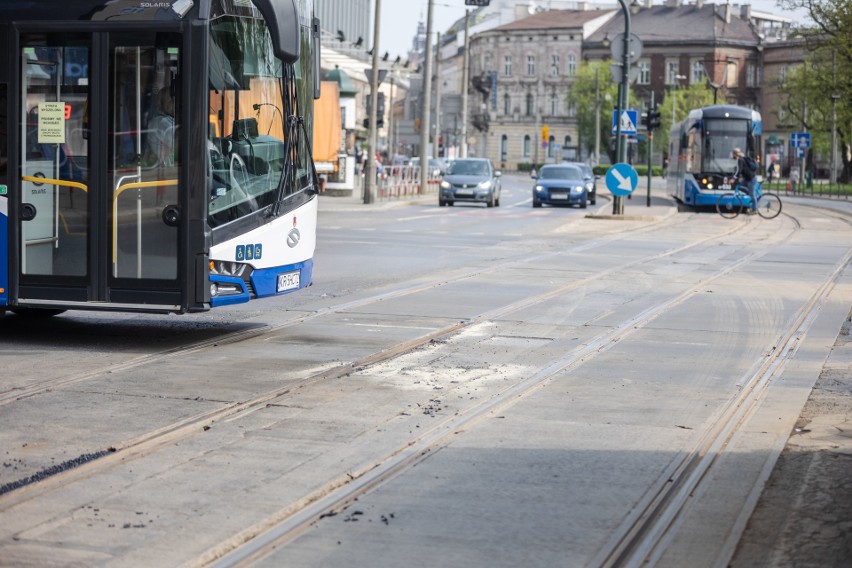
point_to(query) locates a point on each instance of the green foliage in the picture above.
(592, 78)
(826, 76)
(684, 100)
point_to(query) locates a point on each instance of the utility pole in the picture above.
(597, 119)
(391, 137)
(832, 179)
(438, 95)
(465, 71)
(370, 169)
(426, 124)
(623, 97)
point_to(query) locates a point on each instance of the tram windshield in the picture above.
(250, 98)
(721, 136)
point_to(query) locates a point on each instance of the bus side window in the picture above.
(3, 133)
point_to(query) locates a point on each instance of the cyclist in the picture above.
(746, 177)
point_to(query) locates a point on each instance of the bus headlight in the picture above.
(227, 268)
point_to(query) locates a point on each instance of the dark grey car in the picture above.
(471, 180)
(591, 180)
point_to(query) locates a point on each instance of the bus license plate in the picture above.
(288, 281)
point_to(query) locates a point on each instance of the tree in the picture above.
(824, 81)
(592, 78)
(687, 98)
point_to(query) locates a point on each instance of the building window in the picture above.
(554, 104)
(527, 146)
(751, 74)
(644, 72)
(507, 65)
(732, 78)
(782, 74)
(530, 105)
(507, 104)
(504, 148)
(486, 63)
(551, 146)
(672, 71)
(696, 75)
(554, 65)
(572, 65)
(567, 142)
(530, 65)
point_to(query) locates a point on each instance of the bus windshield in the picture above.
(245, 143)
(721, 136)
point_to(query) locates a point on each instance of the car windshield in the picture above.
(561, 172)
(470, 168)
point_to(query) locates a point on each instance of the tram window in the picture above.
(721, 137)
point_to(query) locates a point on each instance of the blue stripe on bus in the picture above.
(265, 281)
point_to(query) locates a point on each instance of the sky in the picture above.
(399, 19)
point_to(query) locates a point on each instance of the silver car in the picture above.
(471, 180)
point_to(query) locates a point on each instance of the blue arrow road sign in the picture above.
(621, 179)
(800, 140)
(629, 118)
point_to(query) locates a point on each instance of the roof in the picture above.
(347, 87)
(554, 19)
(682, 24)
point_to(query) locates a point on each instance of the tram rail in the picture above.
(637, 540)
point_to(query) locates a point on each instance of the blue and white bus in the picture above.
(701, 152)
(155, 156)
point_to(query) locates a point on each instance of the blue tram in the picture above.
(155, 156)
(701, 152)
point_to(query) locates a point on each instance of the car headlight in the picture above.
(539, 188)
(485, 184)
(589, 187)
(577, 189)
(446, 185)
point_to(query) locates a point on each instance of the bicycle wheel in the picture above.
(729, 205)
(769, 206)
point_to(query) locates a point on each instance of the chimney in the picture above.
(745, 12)
(699, 4)
(727, 13)
(673, 3)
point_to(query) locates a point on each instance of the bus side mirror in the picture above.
(282, 19)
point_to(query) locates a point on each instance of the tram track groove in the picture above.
(278, 530)
(408, 453)
(162, 437)
(16, 394)
(641, 541)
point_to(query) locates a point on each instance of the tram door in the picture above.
(99, 210)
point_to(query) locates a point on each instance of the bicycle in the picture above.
(731, 204)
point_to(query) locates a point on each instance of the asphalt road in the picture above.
(461, 385)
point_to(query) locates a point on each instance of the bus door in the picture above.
(99, 216)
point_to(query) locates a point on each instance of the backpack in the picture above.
(749, 167)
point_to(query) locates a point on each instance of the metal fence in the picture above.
(813, 188)
(398, 182)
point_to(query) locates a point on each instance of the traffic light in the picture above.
(644, 119)
(380, 110)
(653, 118)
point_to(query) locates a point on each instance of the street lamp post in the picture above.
(677, 80)
(623, 97)
(426, 124)
(370, 168)
(465, 79)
